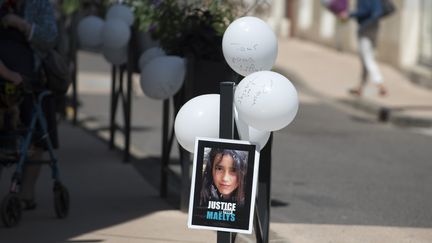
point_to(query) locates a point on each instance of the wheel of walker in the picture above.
(11, 210)
(61, 200)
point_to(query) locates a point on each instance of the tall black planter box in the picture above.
(203, 77)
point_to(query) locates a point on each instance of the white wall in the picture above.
(409, 34)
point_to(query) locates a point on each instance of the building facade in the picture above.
(404, 42)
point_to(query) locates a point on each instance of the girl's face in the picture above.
(225, 176)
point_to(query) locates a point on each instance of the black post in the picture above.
(74, 53)
(226, 130)
(165, 145)
(262, 208)
(185, 158)
(113, 106)
(128, 110)
(226, 121)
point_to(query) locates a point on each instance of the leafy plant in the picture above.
(186, 28)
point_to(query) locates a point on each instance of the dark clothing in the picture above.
(367, 11)
(367, 14)
(43, 34)
(16, 54)
(48, 108)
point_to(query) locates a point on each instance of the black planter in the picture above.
(203, 77)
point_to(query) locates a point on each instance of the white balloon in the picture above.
(149, 55)
(115, 33)
(90, 31)
(120, 11)
(163, 76)
(249, 45)
(266, 100)
(249, 133)
(115, 56)
(199, 117)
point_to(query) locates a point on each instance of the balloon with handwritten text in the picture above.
(266, 100)
(249, 45)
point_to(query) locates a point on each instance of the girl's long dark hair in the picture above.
(209, 190)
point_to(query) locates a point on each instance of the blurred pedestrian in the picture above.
(367, 14)
(27, 32)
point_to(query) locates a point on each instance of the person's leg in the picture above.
(29, 178)
(368, 59)
(363, 79)
(30, 171)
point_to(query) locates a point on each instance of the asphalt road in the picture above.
(331, 166)
(336, 166)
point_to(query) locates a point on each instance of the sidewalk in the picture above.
(329, 74)
(110, 201)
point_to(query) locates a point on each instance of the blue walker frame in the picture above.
(11, 207)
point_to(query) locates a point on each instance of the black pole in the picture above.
(74, 54)
(262, 208)
(226, 121)
(113, 105)
(165, 145)
(128, 110)
(226, 130)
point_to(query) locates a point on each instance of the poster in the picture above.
(223, 185)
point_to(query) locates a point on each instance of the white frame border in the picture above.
(254, 186)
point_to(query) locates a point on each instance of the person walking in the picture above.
(367, 14)
(28, 31)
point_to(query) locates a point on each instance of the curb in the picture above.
(392, 115)
(410, 121)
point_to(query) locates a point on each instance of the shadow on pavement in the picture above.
(104, 192)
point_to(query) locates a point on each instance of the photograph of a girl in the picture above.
(222, 193)
(223, 177)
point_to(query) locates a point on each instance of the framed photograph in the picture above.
(223, 186)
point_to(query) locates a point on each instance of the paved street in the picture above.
(333, 165)
(342, 167)
(338, 175)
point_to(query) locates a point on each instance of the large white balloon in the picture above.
(266, 100)
(199, 117)
(249, 133)
(249, 45)
(120, 11)
(90, 32)
(115, 56)
(149, 55)
(115, 33)
(163, 76)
